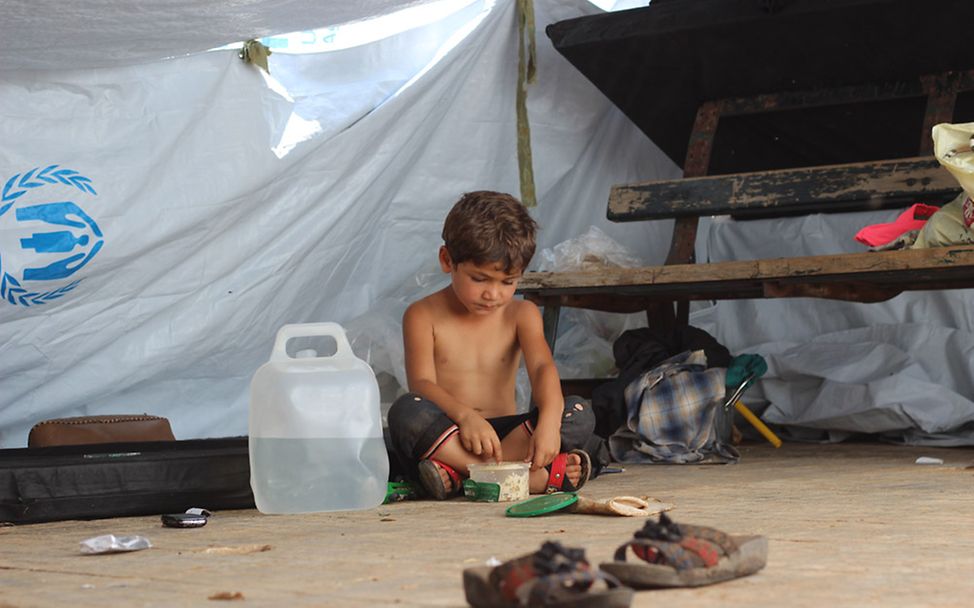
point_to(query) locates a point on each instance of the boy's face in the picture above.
(481, 288)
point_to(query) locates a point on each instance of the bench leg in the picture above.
(683, 313)
(552, 311)
(668, 314)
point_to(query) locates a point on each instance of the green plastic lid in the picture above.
(542, 505)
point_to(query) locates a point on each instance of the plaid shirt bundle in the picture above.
(671, 410)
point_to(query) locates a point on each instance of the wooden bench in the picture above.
(861, 277)
(664, 292)
(771, 109)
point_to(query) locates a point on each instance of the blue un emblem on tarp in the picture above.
(45, 239)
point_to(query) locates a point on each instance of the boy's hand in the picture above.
(478, 437)
(544, 446)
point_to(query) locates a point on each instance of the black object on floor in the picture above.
(123, 479)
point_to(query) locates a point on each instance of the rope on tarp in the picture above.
(526, 74)
(255, 53)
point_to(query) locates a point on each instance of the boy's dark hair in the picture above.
(486, 226)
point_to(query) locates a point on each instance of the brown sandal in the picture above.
(681, 555)
(554, 576)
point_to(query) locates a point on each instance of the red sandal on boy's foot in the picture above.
(432, 482)
(557, 479)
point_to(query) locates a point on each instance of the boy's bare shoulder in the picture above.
(426, 306)
(525, 313)
(525, 308)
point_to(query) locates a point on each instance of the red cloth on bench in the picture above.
(912, 219)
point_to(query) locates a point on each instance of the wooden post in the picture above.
(684, 242)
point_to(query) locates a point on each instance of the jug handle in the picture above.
(343, 349)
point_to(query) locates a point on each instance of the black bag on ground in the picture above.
(122, 479)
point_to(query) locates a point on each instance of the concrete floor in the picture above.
(849, 525)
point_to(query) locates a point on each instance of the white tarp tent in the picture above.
(47, 34)
(224, 204)
(219, 203)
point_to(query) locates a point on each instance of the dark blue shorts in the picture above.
(418, 427)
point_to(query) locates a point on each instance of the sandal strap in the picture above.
(550, 569)
(553, 589)
(681, 546)
(669, 554)
(557, 479)
(556, 474)
(668, 530)
(723, 540)
(451, 472)
(566, 578)
(508, 577)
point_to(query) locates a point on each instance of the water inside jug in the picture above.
(316, 428)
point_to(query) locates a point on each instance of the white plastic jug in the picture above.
(316, 429)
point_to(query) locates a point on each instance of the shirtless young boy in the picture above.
(463, 347)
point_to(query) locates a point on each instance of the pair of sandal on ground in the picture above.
(667, 554)
(432, 482)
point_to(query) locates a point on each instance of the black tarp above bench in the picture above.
(659, 63)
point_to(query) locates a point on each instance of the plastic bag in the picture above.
(109, 543)
(583, 348)
(590, 251)
(953, 145)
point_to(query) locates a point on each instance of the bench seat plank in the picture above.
(834, 188)
(863, 277)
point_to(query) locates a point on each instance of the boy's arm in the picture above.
(476, 434)
(545, 385)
